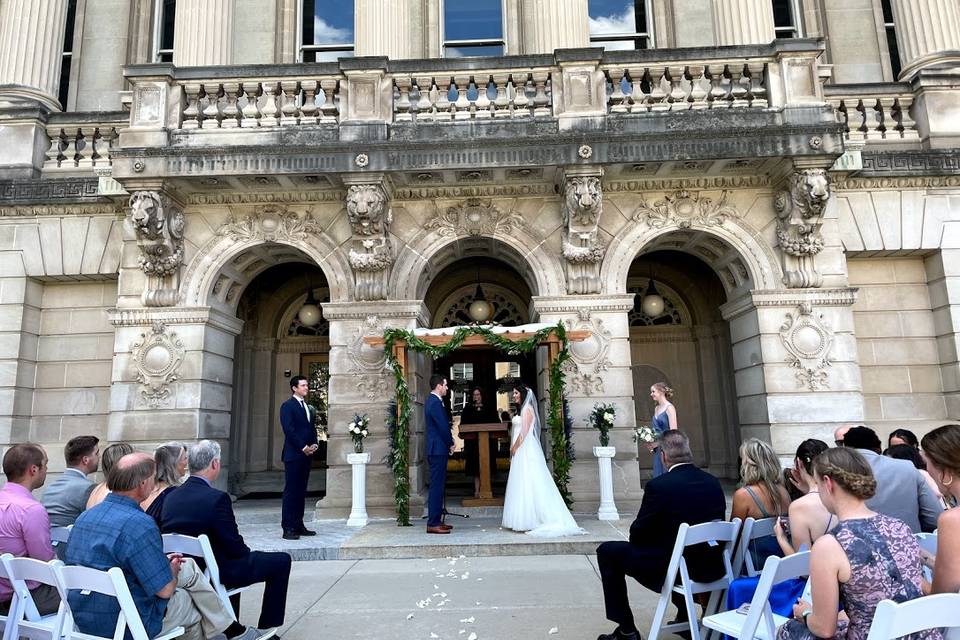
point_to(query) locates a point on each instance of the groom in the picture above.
(439, 447)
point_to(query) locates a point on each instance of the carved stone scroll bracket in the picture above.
(581, 247)
(368, 364)
(800, 211)
(808, 339)
(158, 223)
(589, 358)
(371, 251)
(156, 358)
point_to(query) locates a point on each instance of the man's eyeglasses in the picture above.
(839, 443)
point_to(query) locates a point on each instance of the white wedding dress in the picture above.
(532, 502)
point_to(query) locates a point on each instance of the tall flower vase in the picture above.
(358, 510)
(607, 510)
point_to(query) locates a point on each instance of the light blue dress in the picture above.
(661, 424)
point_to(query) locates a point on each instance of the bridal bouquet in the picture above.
(602, 418)
(358, 430)
(644, 434)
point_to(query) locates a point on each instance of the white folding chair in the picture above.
(199, 547)
(759, 621)
(23, 620)
(752, 529)
(678, 578)
(893, 620)
(109, 583)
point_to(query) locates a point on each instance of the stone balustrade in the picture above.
(81, 141)
(875, 113)
(515, 93)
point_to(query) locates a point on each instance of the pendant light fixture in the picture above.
(310, 313)
(480, 310)
(652, 302)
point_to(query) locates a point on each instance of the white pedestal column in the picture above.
(743, 21)
(358, 510)
(384, 28)
(557, 24)
(925, 28)
(203, 33)
(607, 510)
(31, 42)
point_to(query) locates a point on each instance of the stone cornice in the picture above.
(904, 182)
(34, 210)
(650, 335)
(573, 304)
(473, 191)
(837, 297)
(282, 197)
(175, 316)
(670, 184)
(383, 309)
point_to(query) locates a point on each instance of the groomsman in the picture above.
(299, 445)
(439, 447)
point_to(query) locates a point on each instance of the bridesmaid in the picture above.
(664, 419)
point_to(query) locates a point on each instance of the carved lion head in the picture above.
(146, 211)
(814, 189)
(367, 210)
(584, 199)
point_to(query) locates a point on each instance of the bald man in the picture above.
(839, 432)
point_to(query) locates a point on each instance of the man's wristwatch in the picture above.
(805, 614)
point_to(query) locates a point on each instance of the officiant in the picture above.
(477, 412)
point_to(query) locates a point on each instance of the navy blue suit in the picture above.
(439, 441)
(298, 432)
(196, 508)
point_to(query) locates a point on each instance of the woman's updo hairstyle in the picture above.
(848, 469)
(664, 388)
(808, 451)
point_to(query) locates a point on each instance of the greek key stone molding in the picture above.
(906, 163)
(156, 358)
(589, 358)
(269, 223)
(808, 340)
(799, 217)
(684, 209)
(581, 247)
(158, 224)
(371, 253)
(48, 189)
(475, 217)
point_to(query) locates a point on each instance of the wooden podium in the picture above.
(484, 431)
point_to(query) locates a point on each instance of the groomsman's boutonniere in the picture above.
(358, 430)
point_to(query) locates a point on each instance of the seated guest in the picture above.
(111, 455)
(808, 518)
(904, 437)
(901, 492)
(24, 523)
(196, 508)
(869, 556)
(913, 456)
(169, 591)
(66, 497)
(941, 448)
(683, 494)
(171, 460)
(839, 433)
(762, 494)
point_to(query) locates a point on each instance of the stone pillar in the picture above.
(31, 39)
(20, 299)
(384, 29)
(360, 383)
(943, 281)
(599, 371)
(556, 24)
(743, 21)
(926, 29)
(203, 33)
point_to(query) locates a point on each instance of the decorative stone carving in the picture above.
(159, 228)
(475, 217)
(588, 358)
(685, 209)
(270, 223)
(368, 364)
(371, 255)
(581, 247)
(808, 340)
(799, 218)
(157, 356)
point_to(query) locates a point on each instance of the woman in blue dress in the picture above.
(664, 419)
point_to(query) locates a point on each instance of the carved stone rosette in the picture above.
(371, 253)
(581, 247)
(158, 224)
(156, 357)
(588, 358)
(800, 212)
(808, 340)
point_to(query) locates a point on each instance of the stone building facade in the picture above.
(175, 177)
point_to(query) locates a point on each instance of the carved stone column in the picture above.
(582, 250)
(371, 249)
(384, 28)
(557, 24)
(157, 225)
(926, 29)
(203, 33)
(743, 21)
(800, 210)
(31, 39)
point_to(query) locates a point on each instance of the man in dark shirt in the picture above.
(683, 494)
(476, 412)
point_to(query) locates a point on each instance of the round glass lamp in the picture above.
(480, 310)
(652, 303)
(310, 314)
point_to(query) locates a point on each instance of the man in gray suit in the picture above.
(66, 498)
(901, 491)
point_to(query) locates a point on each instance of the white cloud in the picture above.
(623, 23)
(324, 33)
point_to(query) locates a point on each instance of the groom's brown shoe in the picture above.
(437, 529)
(448, 527)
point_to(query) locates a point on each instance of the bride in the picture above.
(532, 502)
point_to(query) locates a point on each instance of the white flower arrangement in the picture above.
(644, 434)
(358, 430)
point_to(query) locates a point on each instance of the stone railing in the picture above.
(874, 113)
(80, 141)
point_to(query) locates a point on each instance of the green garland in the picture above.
(399, 456)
